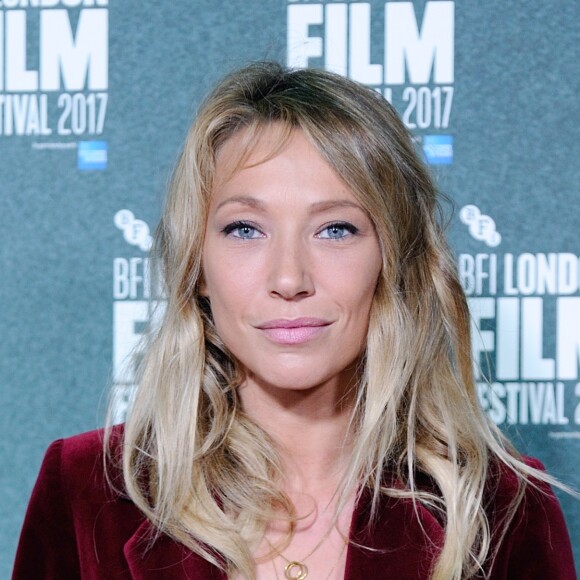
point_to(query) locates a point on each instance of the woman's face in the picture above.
(290, 265)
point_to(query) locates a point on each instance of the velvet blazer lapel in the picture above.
(402, 543)
(164, 558)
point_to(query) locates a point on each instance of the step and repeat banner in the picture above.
(95, 100)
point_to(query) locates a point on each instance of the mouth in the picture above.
(297, 331)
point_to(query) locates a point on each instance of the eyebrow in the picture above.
(319, 206)
(244, 200)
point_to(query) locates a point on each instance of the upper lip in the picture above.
(293, 323)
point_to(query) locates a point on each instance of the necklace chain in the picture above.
(297, 570)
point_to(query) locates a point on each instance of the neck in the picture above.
(310, 429)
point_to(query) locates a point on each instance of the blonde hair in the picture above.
(195, 464)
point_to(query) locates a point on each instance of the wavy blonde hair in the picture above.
(195, 464)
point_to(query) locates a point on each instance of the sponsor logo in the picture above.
(92, 155)
(438, 149)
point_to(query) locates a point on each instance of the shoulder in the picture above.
(75, 518)
(533, 540)
(92, 491)
(82, 461)
(505, 487)
(90, 444)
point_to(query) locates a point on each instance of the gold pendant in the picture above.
(295, 570)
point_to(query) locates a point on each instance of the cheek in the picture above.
(362, 290)
(359, 279)
(228, 274)
(229, 291)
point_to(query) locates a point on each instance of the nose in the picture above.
(290, 271)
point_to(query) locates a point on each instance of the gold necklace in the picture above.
(297, 570)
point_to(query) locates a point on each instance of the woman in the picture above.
(307, 408)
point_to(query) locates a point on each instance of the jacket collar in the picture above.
(402, 543)
(158, 557)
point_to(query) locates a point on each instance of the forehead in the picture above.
(276, 165)
(249, 147)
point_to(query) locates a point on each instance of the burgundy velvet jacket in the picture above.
(77, 527)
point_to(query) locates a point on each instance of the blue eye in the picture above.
(337, 231)
(242, 230)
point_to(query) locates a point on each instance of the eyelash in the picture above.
(351, 229)
(238, 225)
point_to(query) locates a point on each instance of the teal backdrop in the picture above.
(95, 100)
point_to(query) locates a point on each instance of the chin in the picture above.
(296, 381)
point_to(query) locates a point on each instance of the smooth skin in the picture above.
(290, 266)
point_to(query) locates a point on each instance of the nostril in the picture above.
(289, 275)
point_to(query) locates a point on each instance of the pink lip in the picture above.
(297, 331)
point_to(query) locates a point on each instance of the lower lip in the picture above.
(298, 335)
